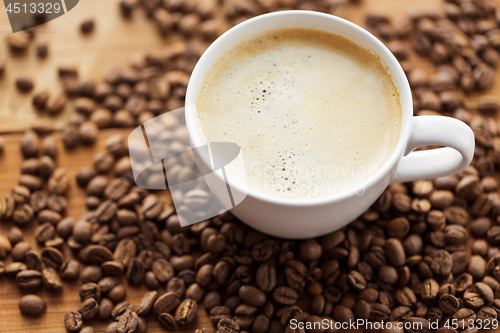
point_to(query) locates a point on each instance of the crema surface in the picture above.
(313, 113)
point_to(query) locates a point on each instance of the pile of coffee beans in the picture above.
(404, 259)
(463, 44)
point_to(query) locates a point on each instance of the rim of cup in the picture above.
(386, 58)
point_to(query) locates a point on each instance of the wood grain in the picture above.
(113, 41)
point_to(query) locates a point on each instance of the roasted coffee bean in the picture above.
(486, 314)
(417, 324)
(96, 254)
(167, 302)
(356, 280)
(406, 297)
(23, 214)
(211, 300)
(32, 305)
(120, 309)
(87, 329)
(152, 207)
(388, 274)
(167, 321)
(485, 292)
(33, 183)
(15, 235)
(117, 188)
(30, 144)
(47, 164)
(19, 250)
(90, 290)
(177, 286)
(29, 279)
(125, 251)
(33, 261)
(118, 293)
(112, 328)
(106, 211)
(135, 272)
(48, 215)
(226, 325)
(56, 242)
(69, 135)
(87, 132)
(49, 154)
(73, 321)
(462, 317)
(103, 162)
(65, 227)
(88, 308)
(362, 309)
(85, 175)
(449, 303)
(252, 295)
(442, 262)
(58, 182)
(204, 274)
(219, 312)
(162, 269)
(15, 267)
(151, 281)
(20, 194)
(186, 311)
(51, 279)
(128, 322)
(82, 231)
(106, 284)
(52, 257)
(429, 289)
(285, 295)
(91, 274)
(19, 42)
(146, 303)
(343, 314)
(105, 308)
(69, 270)
(477, 267)
(30, 166)
(44, 232)
(265, 277)
(379, 312)
(112, 268)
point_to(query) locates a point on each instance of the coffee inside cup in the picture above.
(313, 113)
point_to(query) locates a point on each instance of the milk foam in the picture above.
(313, 113)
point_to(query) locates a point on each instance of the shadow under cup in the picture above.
(310, 217)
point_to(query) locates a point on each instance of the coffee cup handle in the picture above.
(452, 133)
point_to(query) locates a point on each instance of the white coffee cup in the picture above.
(312, 217)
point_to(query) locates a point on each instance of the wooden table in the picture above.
(113, 41)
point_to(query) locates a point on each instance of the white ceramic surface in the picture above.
(305, 218)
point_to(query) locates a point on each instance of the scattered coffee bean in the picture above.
(32, 305)
(87, 26)
(186, 311)
(73, 321)
(146, 303)
(24, 84)
(5, 247)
